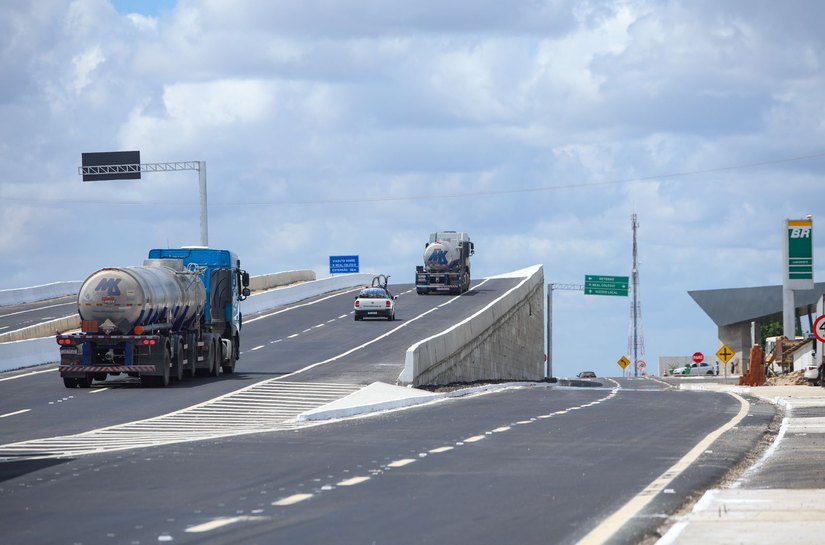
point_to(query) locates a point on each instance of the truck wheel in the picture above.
(178, 365)
(163, 380)
(229, 367)
(215, 358)
(85, 382)
(70, 382)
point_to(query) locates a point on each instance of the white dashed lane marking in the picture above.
(292, 500)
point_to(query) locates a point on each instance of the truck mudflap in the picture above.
(106, 368)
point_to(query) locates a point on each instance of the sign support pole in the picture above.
(550, 288)
(204, 224)
(548, 368)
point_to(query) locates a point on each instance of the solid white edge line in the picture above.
(14, 413)
(612, 524)
(28, 374)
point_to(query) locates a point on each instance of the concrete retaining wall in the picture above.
(33, 294)
(275, 298)
(273, 280)
(14, 355)
(503, 341)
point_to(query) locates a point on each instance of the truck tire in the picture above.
(229, 367)
(85, 381)
(163, 380)
(215, 358)
(177, 365)
(70, 382)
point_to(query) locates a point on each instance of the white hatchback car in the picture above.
(375, 302)
(703, 368)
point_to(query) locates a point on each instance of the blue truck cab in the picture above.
(226, 284)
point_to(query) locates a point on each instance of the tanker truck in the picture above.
(446, 264)
(178, 314)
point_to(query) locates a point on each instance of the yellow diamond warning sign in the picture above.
(623, 362)
(725, 353)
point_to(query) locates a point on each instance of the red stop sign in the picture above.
(698, 357)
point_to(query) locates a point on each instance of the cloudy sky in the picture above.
(337, 128)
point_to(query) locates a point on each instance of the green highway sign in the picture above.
(606, 285)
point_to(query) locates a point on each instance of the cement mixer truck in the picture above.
(178, 314)
(446, 264)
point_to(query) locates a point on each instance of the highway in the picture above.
(224, 461)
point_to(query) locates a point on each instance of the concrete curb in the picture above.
(379, 397)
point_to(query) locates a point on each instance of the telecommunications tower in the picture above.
(636, 339)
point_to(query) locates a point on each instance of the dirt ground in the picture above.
(790, 379)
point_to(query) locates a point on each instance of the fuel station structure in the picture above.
(740, 312)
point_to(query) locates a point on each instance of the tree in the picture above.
(771, 329)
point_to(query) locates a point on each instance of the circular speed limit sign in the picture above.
(819, 329)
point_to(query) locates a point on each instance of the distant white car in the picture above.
(812, 374)
(703, 368)
(375, 302)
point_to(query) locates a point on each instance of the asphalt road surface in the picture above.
(533, 464)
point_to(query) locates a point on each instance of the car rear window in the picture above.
(373, 293)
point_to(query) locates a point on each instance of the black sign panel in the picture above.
(110, 165)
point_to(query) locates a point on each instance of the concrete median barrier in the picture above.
(274, 280)
(502, 341)
(51, 327)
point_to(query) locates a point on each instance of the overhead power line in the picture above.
(440, 196)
